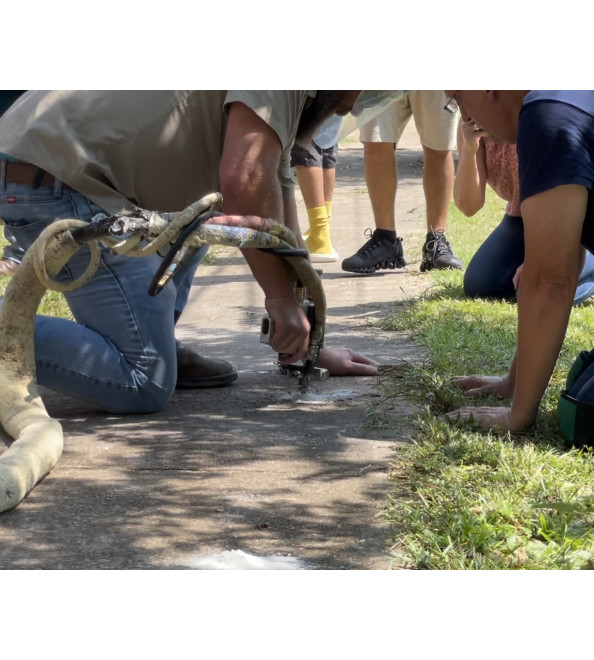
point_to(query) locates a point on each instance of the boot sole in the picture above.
(205, 381)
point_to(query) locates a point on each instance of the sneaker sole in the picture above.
(426, 266)
(384, 265)
(323, 258)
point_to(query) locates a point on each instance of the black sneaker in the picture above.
(377, 253)
(437, 253)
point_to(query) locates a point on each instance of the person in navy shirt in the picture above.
(554, 133)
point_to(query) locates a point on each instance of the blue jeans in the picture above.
(491, 270)
(120, 354)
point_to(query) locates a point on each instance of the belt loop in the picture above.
(57, 188)
(3, 174)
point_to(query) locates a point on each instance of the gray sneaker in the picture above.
(377, 253)
(437, 253)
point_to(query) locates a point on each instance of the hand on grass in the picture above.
(475, 386)
(497, 419)
(342, 361)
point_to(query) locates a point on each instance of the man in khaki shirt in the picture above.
(76, 154)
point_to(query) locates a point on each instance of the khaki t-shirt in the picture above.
(159, 150)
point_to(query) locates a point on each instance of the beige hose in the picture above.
(38, 439)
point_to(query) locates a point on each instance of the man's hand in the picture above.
(291, 328)
(497, 419)
(342, 361)
(476, 386)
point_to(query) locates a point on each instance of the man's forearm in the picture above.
(543, 315)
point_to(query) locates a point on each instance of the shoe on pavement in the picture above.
(196, 371)
(437, 253)
(8, 266)
(320, 247)
(377, 253)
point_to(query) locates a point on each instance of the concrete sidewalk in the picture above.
(255, 466)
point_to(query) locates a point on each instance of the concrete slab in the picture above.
(256, 466)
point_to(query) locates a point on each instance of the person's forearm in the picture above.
(543, 313)
(469, 191)
(264, 200)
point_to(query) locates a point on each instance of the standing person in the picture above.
(380, 137)
(13, 253)
(316, 174)
(491, 272)
(554, 132)
(75, 154)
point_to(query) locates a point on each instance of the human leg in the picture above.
(313, 183)
(437, 132)
(380, 137)
(492, 268)
(585, 286)
(121, 352)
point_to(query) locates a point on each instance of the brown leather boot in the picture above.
(196, 371)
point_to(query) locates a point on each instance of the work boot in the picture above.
(196, 371)
(8, 266)
(378, 252)
(437, 253)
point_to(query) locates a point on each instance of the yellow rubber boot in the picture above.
(317, 238)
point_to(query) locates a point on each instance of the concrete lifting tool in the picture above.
(38, 439)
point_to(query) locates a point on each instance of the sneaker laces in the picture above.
(438, 244)
(371, 241)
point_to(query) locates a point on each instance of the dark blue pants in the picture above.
(491, 270)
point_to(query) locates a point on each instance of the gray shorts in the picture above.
(314, 156)
(436, 127)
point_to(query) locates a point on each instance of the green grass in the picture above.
(52, 304)
(465, 499)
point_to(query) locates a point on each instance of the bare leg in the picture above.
(382, 180)
(383, 249)
(438, 183)
(311, 183)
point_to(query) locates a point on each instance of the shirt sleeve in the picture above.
(281, 110)
(555, 147)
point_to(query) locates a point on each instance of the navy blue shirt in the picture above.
(556, 146)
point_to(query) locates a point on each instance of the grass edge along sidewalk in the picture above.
(463, 499)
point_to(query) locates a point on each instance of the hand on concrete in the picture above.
(342, 361)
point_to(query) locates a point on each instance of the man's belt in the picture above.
(30, 175)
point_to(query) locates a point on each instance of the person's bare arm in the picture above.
(545, 299)
(471, 177)
(250, 186)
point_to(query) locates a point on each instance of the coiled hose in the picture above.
(38, 439)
